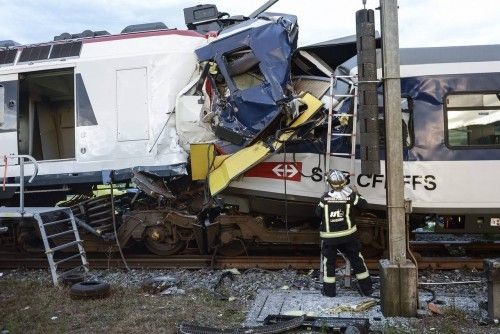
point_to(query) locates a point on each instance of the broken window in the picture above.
(472, 119)
(244, 70)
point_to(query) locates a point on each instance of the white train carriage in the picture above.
(80, 106)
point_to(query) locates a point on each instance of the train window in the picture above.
(407, 123)
(473, 120)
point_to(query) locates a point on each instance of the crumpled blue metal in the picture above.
(249, 111)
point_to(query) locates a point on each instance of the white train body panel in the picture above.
(434, 186)
(132, 82)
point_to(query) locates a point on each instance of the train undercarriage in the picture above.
(170, 222)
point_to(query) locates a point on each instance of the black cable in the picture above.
(432, 292)
(206, 188)
(300, 172)
(285, 174)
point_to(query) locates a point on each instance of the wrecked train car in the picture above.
(227, 147)
(449, 102)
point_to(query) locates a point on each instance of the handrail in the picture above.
(35, 165)
(21, 158)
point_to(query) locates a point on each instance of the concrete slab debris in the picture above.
(346, 305)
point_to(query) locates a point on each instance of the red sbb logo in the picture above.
(291, 171)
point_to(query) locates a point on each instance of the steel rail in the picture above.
(243, 262)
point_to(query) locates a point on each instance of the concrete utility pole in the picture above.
(398, 275)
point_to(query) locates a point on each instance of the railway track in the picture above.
(15, 260)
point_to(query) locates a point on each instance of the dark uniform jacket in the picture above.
(336, 212)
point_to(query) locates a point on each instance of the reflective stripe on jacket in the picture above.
(336, 214)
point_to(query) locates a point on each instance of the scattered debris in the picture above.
(152, 185)
(301, 282)
(462, 304)
(233, 271)
(158, 284)
(173, 291)
(434, 308)
(363, 306)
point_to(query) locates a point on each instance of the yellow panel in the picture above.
(202, 156)
(241, 161)
(219, 160)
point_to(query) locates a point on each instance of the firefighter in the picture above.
(338, 233)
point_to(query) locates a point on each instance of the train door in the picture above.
(9, 87)
(46, 114)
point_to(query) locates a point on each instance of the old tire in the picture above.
(73, 278)
(89, 290)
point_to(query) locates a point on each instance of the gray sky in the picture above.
(421, 22)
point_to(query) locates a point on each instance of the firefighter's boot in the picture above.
(365, 287)
(329, 290)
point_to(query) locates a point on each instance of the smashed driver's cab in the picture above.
(249, 75)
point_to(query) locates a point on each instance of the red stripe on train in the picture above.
(277, 170)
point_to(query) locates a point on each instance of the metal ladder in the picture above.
(65, 221)
(354, 115)
(352, 154)
(47, 219)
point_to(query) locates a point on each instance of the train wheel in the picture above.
(233, 248)
(164, 241)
